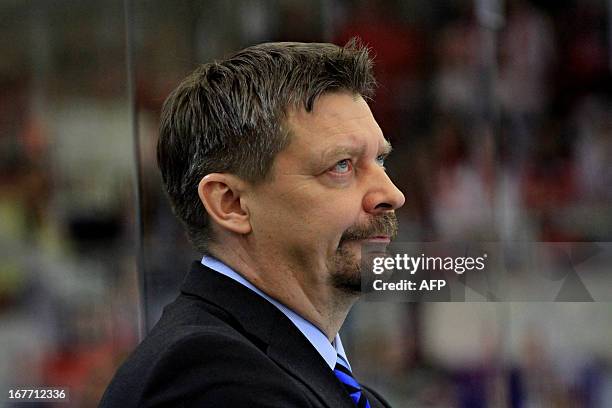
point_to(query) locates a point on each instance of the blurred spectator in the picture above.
(456, 80)
(400, 58)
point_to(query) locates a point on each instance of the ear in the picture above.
(221, 195)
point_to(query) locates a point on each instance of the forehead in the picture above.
(336, 118)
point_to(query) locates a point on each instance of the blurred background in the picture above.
(500, 114)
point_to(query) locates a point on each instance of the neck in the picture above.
(308, 293)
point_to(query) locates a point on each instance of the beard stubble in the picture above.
(344, 266)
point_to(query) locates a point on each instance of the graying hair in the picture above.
(227, 116)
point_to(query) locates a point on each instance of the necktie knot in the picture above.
(344, 374)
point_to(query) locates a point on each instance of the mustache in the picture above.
(385, 224)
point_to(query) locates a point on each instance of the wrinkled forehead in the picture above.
(334, 114)
(339, 124)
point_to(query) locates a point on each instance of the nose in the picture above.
(382, 194)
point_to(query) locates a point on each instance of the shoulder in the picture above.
(217, 367)
(203, 363)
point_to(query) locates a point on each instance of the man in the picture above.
(275, 165)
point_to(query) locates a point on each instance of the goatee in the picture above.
(345, 266)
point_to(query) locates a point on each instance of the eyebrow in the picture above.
(335, 152)
(387, 148)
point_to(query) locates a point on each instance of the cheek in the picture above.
(334, 215)
(280, 217)
(316, 217)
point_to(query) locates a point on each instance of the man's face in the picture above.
(327, 195)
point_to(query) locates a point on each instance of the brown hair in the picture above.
(228, 116)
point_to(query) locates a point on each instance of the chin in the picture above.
(345, 268)
(351, 249)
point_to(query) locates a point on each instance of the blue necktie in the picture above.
(350, 384)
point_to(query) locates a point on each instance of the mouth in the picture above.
(375, 239)
(380, 230)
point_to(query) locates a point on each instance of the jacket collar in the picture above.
(286, 344)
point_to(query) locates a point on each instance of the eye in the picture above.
(342, 167)
(380, 160)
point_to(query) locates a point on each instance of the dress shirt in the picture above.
(329, 351)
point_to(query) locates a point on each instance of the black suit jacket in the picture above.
(219, 344)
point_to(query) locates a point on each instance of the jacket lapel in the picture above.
(287, 346)
(292, 351)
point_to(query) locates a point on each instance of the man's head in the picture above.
(276, 150)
